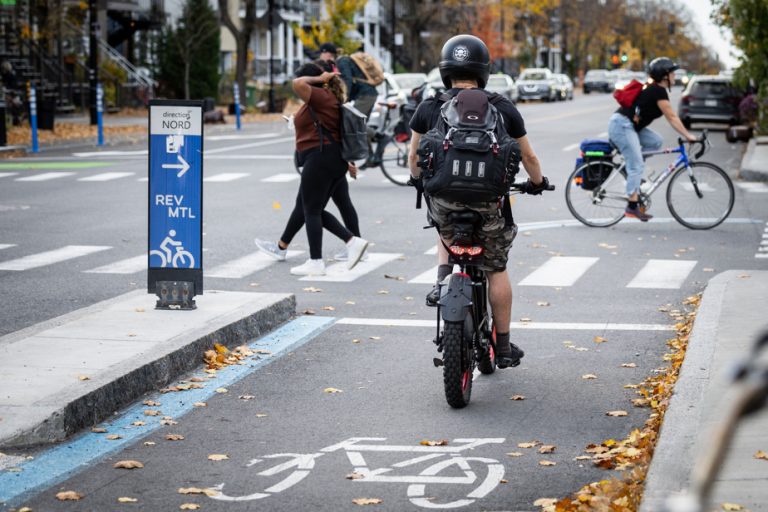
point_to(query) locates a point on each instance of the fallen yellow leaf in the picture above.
(69, 496)
(151, 403)
(517, 397)
(149, 443)
(138, 423)
(174, 437)
(616, 414)
(312, 289)
(261, 415)
(528, 445)
(83, 377)
(515, 454)
(218, 457)
(246, 397)
(152, 412)
(732, 507)
(589, 376)
(545, 502)
(276, 205)
(328, 308)
(222, 390)
(761, 455)
(628, 365)
(547, 448)
(374, 337)
(582, 457)
(125, 499)
(114, 437)
(200, 404)
(128, 464)
(442, 442)
(547, 463)
(542, 303)
(332, 390)
(189, 506)
(355, 476)
(98, 430)
(600, 339)
(367, 501)
(197, 490)
(503, 481)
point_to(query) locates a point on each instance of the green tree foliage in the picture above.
(748, 20)
(189, 53)
(335, 28)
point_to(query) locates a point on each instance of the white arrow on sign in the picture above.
(184, 166)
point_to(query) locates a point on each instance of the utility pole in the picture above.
(93, 57)
(271, 23)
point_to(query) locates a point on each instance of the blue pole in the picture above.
(237, 105)
(33, 117)
(100, 113)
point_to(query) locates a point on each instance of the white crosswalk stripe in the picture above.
(245, 266)
(107, 176)
(226, 176)
(126, 266)
(753, 186)
(338, 272)
(427, 277)
(283, 177)
(6, 246)
(8, 174)
(46, 176)
(669, 274)
(559, 271)
(49, 257)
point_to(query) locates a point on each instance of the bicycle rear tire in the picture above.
(713, 203)
(602, 206)
(457, 363)
(394, 162)
(487, 363)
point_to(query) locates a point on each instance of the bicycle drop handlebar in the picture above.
(702, 141)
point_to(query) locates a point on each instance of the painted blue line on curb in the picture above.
(58, 463)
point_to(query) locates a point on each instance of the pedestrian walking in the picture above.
(317, 134)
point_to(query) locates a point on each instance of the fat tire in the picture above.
(455, 363)
(682, 173)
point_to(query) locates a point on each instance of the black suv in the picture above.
(709, 99)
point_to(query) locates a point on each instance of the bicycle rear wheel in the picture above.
(458, 362)
(394, 161)
(700, 196)
(602, 206)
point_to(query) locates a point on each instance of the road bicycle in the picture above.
(447, 467)
(465, 334)
(392, 140)
(748, 394)
(700, 195)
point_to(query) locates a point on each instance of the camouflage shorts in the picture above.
(494, 234)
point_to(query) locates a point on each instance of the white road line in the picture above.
(428, 277)
(669, 274)
(249, 145)
(245, 266)
(248, 157)
(432, 251)
(559, 271)
(45, 176)
(241, 136)
(602, 135)
(225, 176)
(753, 186)
(6, 246)
(761, 255)
(283, 177)
(398, 177)
(107, 176)
(126, 266)
(571, 147)
(8, 174)
(555, 326)
(338, 273)
(143, 179)
(49, 257)
(140, 152)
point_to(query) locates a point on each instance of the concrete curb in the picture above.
(674, 454)
(62, 414)
(754, 165)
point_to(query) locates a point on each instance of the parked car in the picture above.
(711, 99)
(622, 78)
(598, 80)
(537, 84)
(682, 77)
(504, 85)
(564, 87)
(409, 81)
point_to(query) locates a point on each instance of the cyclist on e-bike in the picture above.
(465, 64)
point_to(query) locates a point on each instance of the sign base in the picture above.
(175, 295)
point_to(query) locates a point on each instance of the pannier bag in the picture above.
(371, 68)
(600, 154)
(468, 156)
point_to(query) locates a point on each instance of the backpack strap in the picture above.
(444, 97)
(495, 98)
(320, 128)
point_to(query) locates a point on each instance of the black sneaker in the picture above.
(433, 296)
(510, 357)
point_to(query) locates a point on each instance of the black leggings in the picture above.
(323, 172)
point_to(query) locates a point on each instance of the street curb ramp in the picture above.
(121, 384)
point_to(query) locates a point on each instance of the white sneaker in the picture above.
(343, 255)
(271, 249)
(310, 268)
(355, 249)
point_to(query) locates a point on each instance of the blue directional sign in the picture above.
(176, 192)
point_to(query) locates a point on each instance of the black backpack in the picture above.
(469, 157)
(354, 134)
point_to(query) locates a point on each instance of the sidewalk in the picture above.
(754, 165)
(73, 371)
(731, 316)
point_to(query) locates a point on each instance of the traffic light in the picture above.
(624, 57)
(615, 59)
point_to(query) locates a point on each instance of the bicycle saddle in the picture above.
(464, 223)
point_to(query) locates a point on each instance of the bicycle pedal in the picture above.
(437, 362)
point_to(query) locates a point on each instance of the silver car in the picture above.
(537, 84)
(564, 87)
(503, 85)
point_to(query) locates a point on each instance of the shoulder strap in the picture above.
(495, 98)
(439, 100)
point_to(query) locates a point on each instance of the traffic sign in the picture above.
(175, 254)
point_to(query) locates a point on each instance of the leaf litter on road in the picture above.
(128, 464)
(69, 496)
(126, 499)
(367, 501)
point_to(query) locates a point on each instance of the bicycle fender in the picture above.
(455, 298)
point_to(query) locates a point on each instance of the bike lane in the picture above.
(291, 430)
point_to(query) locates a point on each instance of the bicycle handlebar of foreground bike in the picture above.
(702, 140)
(522, 187)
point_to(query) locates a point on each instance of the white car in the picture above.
(504, 85)
(409, 81)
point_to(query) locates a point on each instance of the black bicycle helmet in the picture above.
(660, 67)
(465, 57)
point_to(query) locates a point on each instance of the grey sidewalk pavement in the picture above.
(754, 165)
(75, 370)
(733, 313)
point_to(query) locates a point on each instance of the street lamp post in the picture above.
(271, 23)
(93, 58)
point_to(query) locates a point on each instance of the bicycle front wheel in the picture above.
(596, 205)
(458, 362)
(394, 161)
(700, 196)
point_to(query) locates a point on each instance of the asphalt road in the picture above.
(391, 391)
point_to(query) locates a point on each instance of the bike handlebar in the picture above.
(523, 187)
(702, 141)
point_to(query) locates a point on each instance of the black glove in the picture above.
(535, 190)
(417, 183)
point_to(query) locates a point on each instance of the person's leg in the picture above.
(622, 133)
(294, 224)
(315, 191)
(343, 202)
(650, 140)
(500, 296)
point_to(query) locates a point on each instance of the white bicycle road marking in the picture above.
(300, 466)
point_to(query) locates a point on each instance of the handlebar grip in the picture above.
(550, 187)
(701, 151)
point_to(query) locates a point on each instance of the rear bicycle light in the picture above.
(459, 250)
